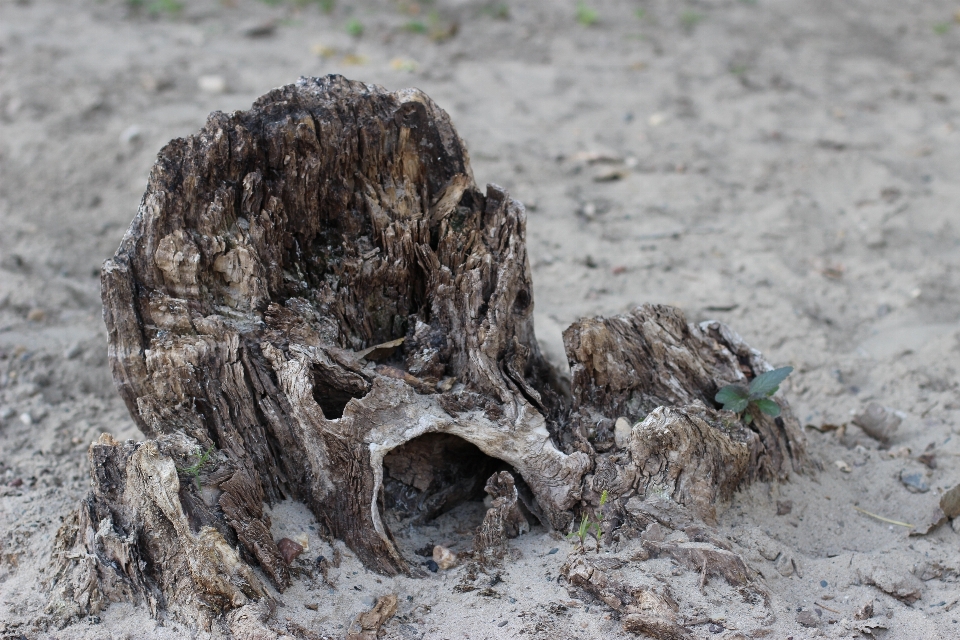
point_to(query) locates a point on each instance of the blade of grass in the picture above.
(882, 519)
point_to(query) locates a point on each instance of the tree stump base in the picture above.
(315, 302)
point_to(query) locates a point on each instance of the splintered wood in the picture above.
(316, 292)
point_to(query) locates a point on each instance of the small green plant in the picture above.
(941, 28)
(586, 15)
(749, 402)
(157, 7)
(690, 19)
(415, 26)
(194, 470)
(586, 524)
(499, 10)
(355, 27)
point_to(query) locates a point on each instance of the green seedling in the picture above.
(415, 26)
(941, 28)
(194, 469)
(587, 524)
(582, 531)
(690, 19)
(598, 523)
(499, 10)
(586, 15)
(355, 28)
(749, 402)
(157, 7)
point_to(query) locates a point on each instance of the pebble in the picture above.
(784, 507)
(26, 418)
(621, 432)
(444, 558)
(259, 29)
(877, 421)
(843, 466)
(131, 135)
(212, 84)
(433, 566)
(914, 482)
(289, 549)
(553, 551)
(808, 619)
(6, 413)
(824, 583)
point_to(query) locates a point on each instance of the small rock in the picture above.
(653, 533)
(955, 525)
(950, 502)
(289, 549)
(313, 606)
(808, 619)
(6, 413)
(26, 418)
(621, 432)
(784, 507)
(865, 612)
(914, 482)
(131, 136)
(16, 482)
(877, 421)
(36, 315)
(843, 466)
(73, 351)
(444, 558)
(259, 29)
(715, 628)
(433, 566)
(824, 583)
(902, 586)
(212, 84)
(303, 540)
(553, 551)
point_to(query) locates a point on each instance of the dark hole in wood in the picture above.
(434, 473)
(333, 397)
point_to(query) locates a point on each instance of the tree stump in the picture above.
(316, 302)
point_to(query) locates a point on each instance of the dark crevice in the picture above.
(333, 395)
(434, 473)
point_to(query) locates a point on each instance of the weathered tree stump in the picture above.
(316, 296)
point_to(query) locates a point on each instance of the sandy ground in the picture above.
(790, 168)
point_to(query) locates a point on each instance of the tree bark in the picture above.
(316, 302)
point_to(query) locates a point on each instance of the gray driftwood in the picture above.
(315, 302)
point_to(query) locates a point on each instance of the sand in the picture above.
(787, 168)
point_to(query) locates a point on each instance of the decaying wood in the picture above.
(316, 295)
(503, 520)
(368, 623)
(644, 610)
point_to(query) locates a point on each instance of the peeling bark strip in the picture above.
(312, 286)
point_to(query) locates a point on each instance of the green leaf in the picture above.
(767, 383)
(769, 407)
(747, 419)
(733, 398)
